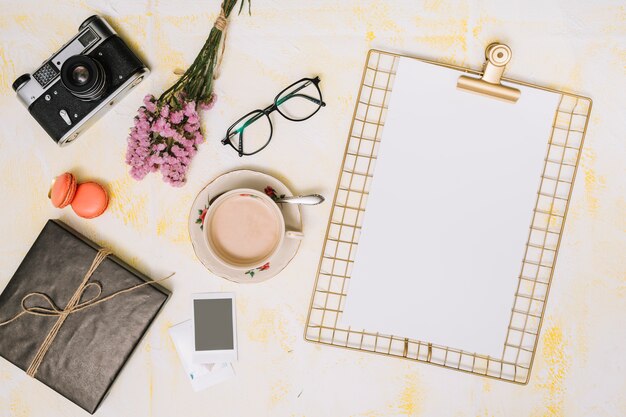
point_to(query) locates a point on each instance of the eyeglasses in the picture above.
(253, 132)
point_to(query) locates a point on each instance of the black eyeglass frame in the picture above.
(275, 106)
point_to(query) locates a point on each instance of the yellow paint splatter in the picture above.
(168, 50)
(443, 34)
(133, 29)
(621, 218)
(377, 16)
(370, 36)
(150, 387)
(18, 405)
(590, 183)
(486, 386)
(482, 22)
(127, 204)
(134, 261)
(172, 222)
(5, 375)
(593, 182)
(271, 324)
(432, 5)
(148, 350)
(445, 41)
(24, 21)
(242, 304)
(175, 230)
(7, 75)
(164, 336)
(278, 393)
(408, 404)
(554, 221)
(187, 21)
(558, 363)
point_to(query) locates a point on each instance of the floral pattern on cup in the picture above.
(201, 216)
(271, 193)
(263, 267)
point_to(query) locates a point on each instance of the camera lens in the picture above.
(80, 75)
(84, 77)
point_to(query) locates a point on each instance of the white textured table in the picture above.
(579, 369)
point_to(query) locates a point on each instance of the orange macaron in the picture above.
(63, 190)
(88, 199)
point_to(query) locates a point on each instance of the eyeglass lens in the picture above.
(299, 101)
(253, 132)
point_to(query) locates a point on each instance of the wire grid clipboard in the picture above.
(342, 235)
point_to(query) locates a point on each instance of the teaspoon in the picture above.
(307, 200)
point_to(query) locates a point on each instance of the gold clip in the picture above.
(498, 55)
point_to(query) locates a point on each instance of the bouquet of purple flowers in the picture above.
(167, 130)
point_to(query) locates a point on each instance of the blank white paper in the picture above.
(449, 211)
(201, 375)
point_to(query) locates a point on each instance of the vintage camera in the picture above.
(81, 81)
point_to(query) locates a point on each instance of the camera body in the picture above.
(81, 81)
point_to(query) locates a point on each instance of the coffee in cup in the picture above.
(244, 228)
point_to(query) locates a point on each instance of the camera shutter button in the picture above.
(65, 117)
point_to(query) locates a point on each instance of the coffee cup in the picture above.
(244, 229)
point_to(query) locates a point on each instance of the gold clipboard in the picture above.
(544, 238)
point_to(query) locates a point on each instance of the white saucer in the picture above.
(244, 179)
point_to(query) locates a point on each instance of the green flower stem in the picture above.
(196, 84)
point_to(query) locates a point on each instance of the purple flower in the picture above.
(159, 125)
(193, 119)
(198, 138)
(176, 117)
(208, 105)
(165, 139)
(191, 127)
(168, 131)
(189, 108)
(148, 101)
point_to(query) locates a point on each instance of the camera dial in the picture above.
(84, 77)
(20, 81)
(87, 22)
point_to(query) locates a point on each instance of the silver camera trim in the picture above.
(94, 115)
(31, 90)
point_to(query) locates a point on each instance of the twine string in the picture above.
(63, 314)
(221, 21)
(221, 24)
(74, 305)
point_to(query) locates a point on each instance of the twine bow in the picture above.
(74, 305)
